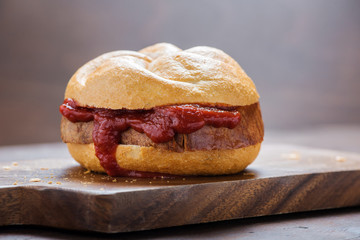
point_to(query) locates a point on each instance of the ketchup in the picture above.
(160, 124)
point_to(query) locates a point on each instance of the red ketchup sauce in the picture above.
(160, 124)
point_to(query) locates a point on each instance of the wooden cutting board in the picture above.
(283, 179)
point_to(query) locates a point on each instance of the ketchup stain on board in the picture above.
(160, 124)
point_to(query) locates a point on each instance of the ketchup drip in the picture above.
(160, 124)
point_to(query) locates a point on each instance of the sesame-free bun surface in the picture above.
(161, 74)
(150, 159)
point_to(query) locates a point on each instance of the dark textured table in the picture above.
(326, 224)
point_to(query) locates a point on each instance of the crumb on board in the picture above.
(15, 183)
(7, 168)
(340, 158)
(291, 156)
(50, 182)
(87, 171)
(15, 164)
(44, 168)
(248, 174)
(34, 180)
(114, 180)
(58, 183)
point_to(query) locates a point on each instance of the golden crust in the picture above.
(161, 74)
(150, 159)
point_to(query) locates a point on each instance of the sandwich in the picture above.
(162, 111)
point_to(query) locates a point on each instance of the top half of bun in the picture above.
(159, 75)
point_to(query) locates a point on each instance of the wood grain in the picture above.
(283, 179)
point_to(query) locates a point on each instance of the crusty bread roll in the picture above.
(150, 159)
(163, 75)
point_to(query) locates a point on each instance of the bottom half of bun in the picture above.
(150, 159)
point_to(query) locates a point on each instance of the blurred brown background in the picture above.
(304, 56)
